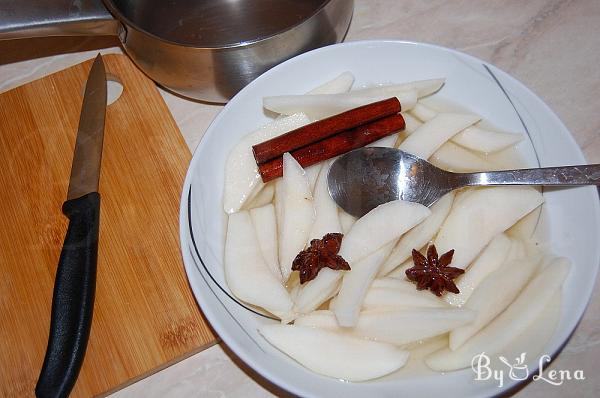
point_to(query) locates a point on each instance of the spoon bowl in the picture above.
(367, 177)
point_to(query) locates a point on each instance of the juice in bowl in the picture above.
(247, 249)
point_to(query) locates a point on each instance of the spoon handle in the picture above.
(566, 175)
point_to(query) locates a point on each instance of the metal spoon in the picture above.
(364, 178)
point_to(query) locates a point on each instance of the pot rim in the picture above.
(109, 4)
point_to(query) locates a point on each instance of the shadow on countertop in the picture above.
(16, 50)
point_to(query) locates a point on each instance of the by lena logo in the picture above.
(518, 370)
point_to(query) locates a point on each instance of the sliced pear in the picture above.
(321, 319)
(390, 293)
(339, 84)
(241, 172)
(335, 355)
(263, 197)
(246, 272)
(422, 87)
(432, 134)
(406, 92)
(455, 158)
(519, 316)
(278, 202)
(294, 291)
(526, 226)
(312, 173)
(493, 295)
(315, 292)
(419, 235)
(297, 213)
(319, 106)
(518, 249)
(390, 220)
(393, 283)
(355, 284)
(381, 225)
(408, 325)
(400, 271)
(381, 298)
(423, 112)
(265, 225)
(482, 214)
(411, 123)
(474, 138)
(490, 259)
(346, 220)
(398, 326)
(483, 140)
(327, 219)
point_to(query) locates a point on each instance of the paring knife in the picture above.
(75, 283)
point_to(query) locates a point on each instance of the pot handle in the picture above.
(40, 18)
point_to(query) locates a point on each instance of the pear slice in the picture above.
(355, 284)
(400, 271)
(297, 213)
(474, 138)
(482, 214)
(411, 123)
(482, 140)
(394, 283)
(326, 219)
(423, 112)
(330, 105)
(335, 355)
(315, 292)
(319, 106)
(241, 171)
(263, 197)
(381, 225)
(407, 325)
(265, 225)
(455, 158)
(390, 220)
(339, 84)
(381, 298)
(493, 295)
(390, 293)
(492, 257)
(398, 326)
(432, 134)
(312, 173)
(519, 316)
(525, 228)
(422, 87)
(419, 236)
(346, 220)
(278, 202)
(246, 272)
(321, 319)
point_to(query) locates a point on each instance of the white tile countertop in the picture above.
(552, 46)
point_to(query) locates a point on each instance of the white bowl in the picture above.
(573, 214)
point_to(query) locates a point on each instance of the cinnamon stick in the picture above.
(335, 145)
(324, 128)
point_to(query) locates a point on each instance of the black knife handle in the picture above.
(73, 298)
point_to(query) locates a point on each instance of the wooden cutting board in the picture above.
(144, 316)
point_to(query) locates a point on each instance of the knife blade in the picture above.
(75, 282)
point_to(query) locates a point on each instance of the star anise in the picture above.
(433, 273)
(321, 253)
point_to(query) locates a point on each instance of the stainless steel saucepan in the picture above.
(201, 49)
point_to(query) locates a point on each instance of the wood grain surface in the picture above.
(144, 316)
